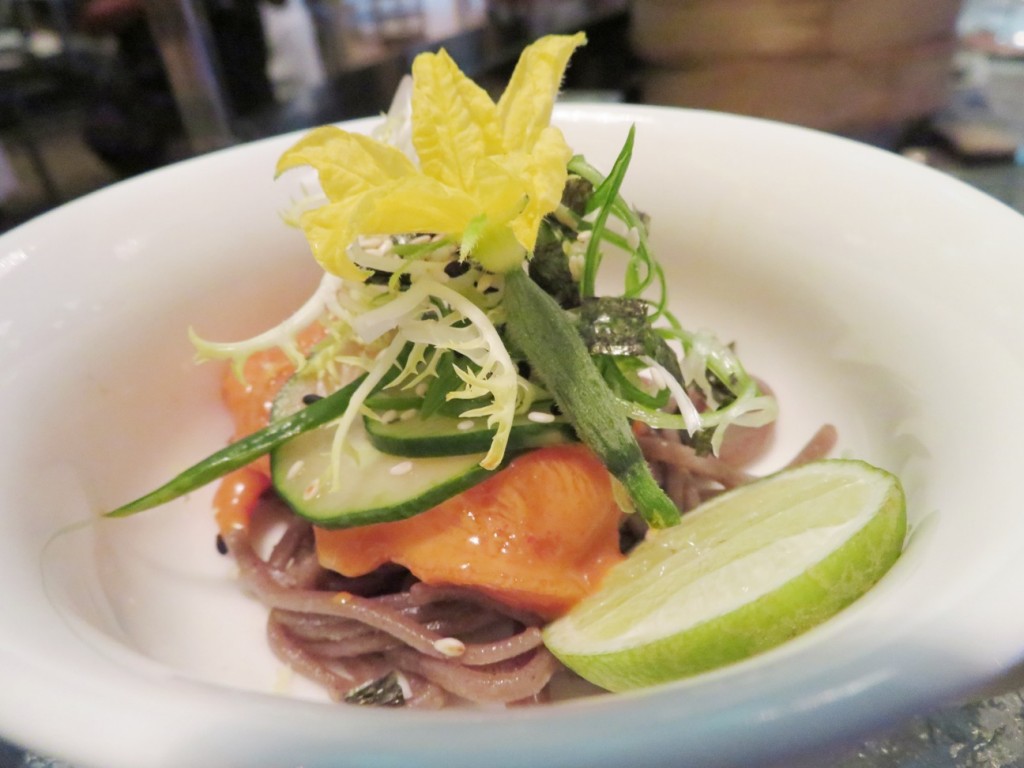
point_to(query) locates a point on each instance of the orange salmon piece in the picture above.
(249, 400)
(537, 536)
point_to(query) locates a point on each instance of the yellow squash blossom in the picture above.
(487, 174)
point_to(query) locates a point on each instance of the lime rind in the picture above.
(664, 644)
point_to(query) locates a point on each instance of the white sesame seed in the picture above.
(465, 424)
(403, 683)
(540, 417)
(421, 389)
(375, 245)
(407, 414)
(402, 468)
(450, 646)
(388, 416)
(311, 490)
(294, 469)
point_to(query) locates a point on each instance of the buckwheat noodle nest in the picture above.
(388, 639)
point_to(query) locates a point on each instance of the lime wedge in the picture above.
(740, 574)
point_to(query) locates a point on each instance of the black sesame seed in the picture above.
(523, 368)
(456, 268)
(222, 546)
(311, 398)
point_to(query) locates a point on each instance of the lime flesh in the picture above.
(740, 574)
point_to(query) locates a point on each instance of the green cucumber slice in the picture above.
(373, 487)
(450, 436)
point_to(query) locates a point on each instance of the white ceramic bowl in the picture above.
(869, 291)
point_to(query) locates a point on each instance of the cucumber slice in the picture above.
(450, 436)
(375, 487)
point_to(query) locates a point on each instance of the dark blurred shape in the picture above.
(133, 122)
(35, 64)
(132, 117)
(241, 47)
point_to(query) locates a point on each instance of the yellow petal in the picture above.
(347, 163)
(414, 204)
(545, 170)
(454, 120)
(550, 156)
(524, 109)
(329, 232)
(501, 191)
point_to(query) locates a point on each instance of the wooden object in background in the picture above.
(844, 65)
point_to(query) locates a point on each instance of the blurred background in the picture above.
(93, 91)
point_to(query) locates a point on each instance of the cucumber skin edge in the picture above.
(523, 437)
(385, 514)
